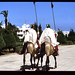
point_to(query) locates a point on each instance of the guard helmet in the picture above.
(48, 25)
(32, 25)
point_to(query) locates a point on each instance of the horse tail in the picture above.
(24, 48)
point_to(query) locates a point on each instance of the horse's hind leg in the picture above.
(34, 62)
(31, 62)
(47, 62)
(24, 62)
(41, 62)
(55, 62)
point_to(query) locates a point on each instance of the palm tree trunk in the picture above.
(5, 22)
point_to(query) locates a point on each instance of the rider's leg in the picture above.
(56, 50)
(38, 49)
(42, 52)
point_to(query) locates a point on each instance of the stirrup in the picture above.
(55, 53)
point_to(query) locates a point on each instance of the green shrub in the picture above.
(2, 43)
(16, 37)
(9, 38)
(22, 40)
(74, 42)
(18, 49)
(19, 43)
(61, 38)
(69, 43)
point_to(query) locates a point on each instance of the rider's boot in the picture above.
(38, 49)
(56, 51)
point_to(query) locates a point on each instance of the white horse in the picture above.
(28, 48)
(46, 48)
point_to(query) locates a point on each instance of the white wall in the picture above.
(24, 27)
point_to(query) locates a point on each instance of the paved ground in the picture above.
(65, 61)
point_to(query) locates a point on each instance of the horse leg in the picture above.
(38, 62)
(55, 62)
(31, 62)
(34, 62)
(41, 62)
(24, 62)
(47, 62)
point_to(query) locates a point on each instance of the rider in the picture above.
(31, 37)
(48, 32)
(55, 47)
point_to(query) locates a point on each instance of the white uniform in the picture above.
(45, 37)
(31, 36)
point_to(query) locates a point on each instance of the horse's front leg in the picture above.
(38, 62)
(55, 62)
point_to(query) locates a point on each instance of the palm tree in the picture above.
(5, 13)
(0, 24)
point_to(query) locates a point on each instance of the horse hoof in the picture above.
(23, 70)
(35, 66)
(47, 69)
(32, 68)
(56, 66)
(40, 68)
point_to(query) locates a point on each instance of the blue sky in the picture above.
(19, 12)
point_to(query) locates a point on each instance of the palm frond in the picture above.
(5, 13)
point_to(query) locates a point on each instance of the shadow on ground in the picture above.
(6, 52)
(37, 68)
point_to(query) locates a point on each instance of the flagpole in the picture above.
(53, 19)
(35, 12)
(36, 17)
(53, 16)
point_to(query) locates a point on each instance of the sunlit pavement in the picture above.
(65, 61)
